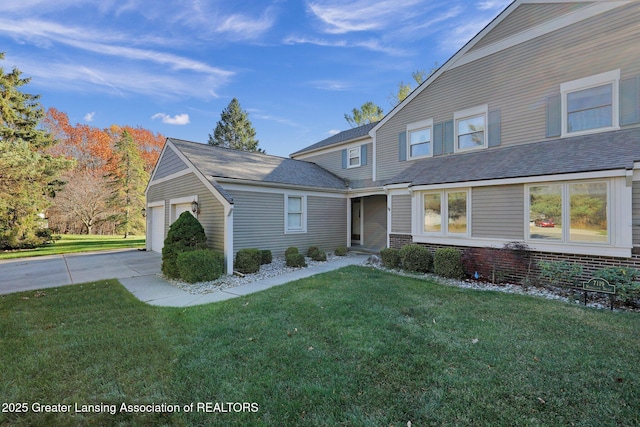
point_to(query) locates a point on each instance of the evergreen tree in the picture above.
(234, 130)
(128, 181)
(28, 174)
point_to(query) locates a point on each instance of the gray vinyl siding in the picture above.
(258, 222)
(518, 80)
(401, 213)
(332, 161)
(211, 214)
(375, 222)
(527, 16)
(498, 212)
(635, 215)
(169, 164)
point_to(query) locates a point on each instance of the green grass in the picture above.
(352, 347)
(72, 243)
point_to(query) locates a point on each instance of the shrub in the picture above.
(312, 249)
(447, 262)
(416, 258)
(248, 261)
(201, 265)
(390, 257)
(295, 260)
(318, 255)
(290, 250)
(560, 273)
(266, 257)
(185, 234)
(624, 280)
(341, 251)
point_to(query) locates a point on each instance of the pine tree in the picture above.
(234, 130)
(128, 181)
(28, 175)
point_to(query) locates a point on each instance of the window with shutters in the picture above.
(471, 129)
(353, 157)
(420, 139)
(590, 104)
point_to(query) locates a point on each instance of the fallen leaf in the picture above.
(474, 341)
(541, 400)
(310, 348)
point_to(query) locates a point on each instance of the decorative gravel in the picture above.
(279, 267)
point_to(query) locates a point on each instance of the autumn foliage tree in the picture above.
(98, 175)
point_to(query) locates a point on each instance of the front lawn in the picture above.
(352, 347)
(72, 243)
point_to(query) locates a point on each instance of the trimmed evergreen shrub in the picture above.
(312, 249)
(185, 234)
(447, 262)
(267, 257)
(341, 251)
(201, 265)
(248, 261)
(290, 250)
(416, 258)
(390, 257)
(318, 255)
(295, 260)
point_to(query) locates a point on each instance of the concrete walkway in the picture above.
(138, 271)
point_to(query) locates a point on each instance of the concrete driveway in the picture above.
(58, 270)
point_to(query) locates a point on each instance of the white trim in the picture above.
(421, 125)
(178, 174)
(155, 204)
(228, 240)
(181, 201)
(303, 213)
(482, 110)
(149, 222)
(610, 77)
(525, 180)
(359, 157)
(374, 163)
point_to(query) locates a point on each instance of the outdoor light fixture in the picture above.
(144, 212)
(194, 207)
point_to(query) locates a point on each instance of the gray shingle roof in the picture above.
(597, 152)
(216, 162)
(338, 138)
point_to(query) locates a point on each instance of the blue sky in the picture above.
(172, 66)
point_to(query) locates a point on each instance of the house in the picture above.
(529, 133)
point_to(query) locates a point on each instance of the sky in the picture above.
(296, 66)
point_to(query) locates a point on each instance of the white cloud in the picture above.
(493, 4)
(179, 119)
(334, 85)
(341, 17)
(334, 132)
(89, 116)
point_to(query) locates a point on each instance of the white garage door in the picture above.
(157, 228)
(179, 208)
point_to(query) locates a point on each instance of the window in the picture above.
(419, 139)
(454, 209)
(590, 104)
(353, 155)
(584, 206)
(295, 214)
(470, 128)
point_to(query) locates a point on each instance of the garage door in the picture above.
(179, 208)
(157, 228)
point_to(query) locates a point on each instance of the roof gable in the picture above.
(339, 138)
(222, 163)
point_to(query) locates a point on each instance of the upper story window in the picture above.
(590, 104)
(419, 142)
(470, 129)
(353, 157)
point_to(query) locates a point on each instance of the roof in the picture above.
(339, 138)
(217, 162)
(597, 152)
